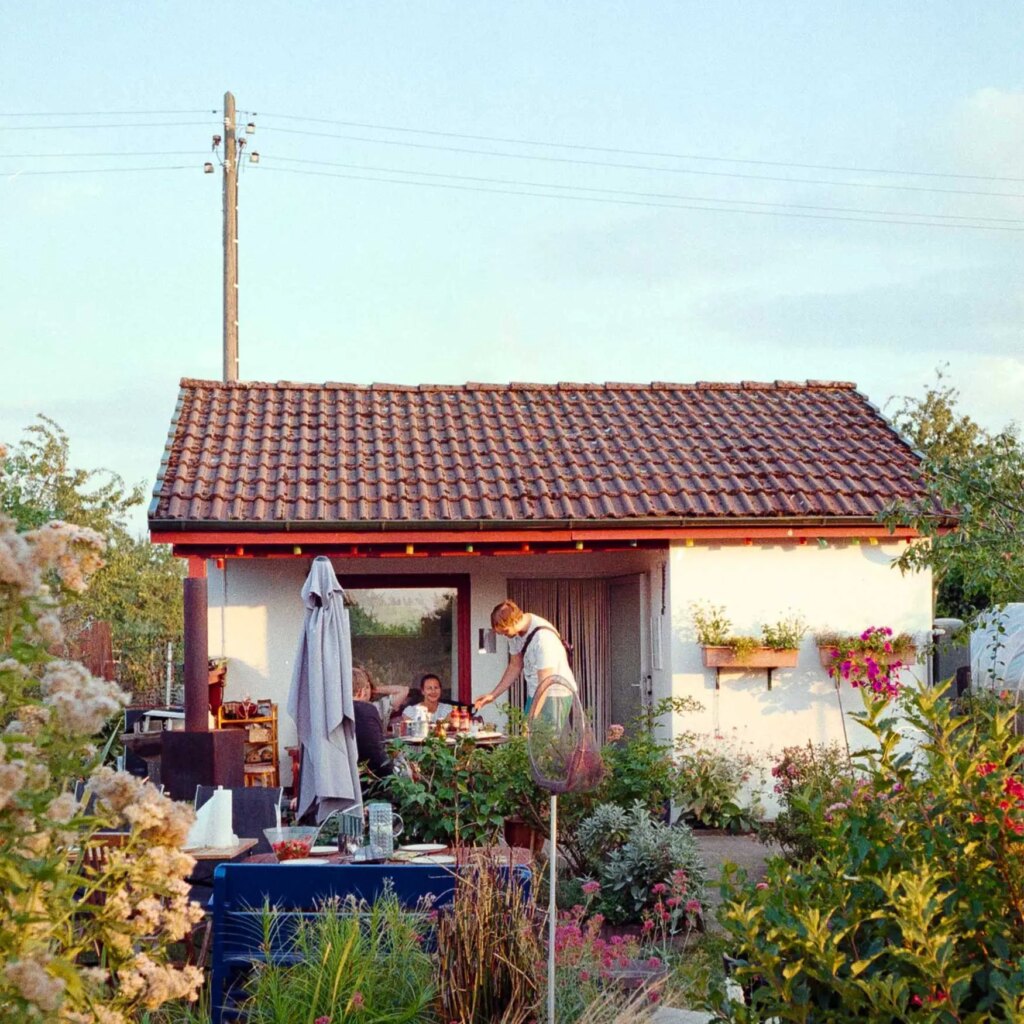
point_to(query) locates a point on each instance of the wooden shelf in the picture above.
(261, 731)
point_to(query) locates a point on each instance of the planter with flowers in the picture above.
(878, 643)
(778, 646)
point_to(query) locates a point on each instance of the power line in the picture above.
(647, 167)
(645, 195)
(642, 152)
(121, 124)
(102, 113)
(63, 156)
(628, 202)
(100, 170)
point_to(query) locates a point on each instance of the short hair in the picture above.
(430, 675)
(505, 615)
(361, 680)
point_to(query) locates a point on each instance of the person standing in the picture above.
(537, 652)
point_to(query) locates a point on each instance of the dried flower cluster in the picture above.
(78, 944)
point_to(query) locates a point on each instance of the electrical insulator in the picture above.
(207, 168)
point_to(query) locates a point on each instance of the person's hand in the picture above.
(482, 702)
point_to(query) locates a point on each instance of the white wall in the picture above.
(844, 587)
(256, 613)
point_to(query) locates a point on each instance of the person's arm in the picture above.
(508, 677)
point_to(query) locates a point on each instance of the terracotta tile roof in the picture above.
(265, 454)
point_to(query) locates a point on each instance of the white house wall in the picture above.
(256, 613)
(843, 587)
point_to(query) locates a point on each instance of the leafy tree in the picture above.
(972, 508)
(138, 591)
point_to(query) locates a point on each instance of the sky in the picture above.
(530, 191)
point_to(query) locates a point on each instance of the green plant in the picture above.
(784, 634)
(488, 951)
(351, 962)
(629, 870)
(809, 779)
(452, 799)
(77, 941)
(711, 775)
(914, 907)
(711, 623)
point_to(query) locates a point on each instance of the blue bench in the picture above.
(241, 891)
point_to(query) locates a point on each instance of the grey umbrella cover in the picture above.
(320, 700)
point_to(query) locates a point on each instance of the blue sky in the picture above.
(110, 282)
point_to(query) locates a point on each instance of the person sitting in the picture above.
(430, 687)
(369, 728)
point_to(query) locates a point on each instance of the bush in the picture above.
(808, 779)
(76, 944)
(644, 854)
(914, 906)
(710, 776)
(352, 962)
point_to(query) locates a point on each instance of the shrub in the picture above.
(352, 962)
(649, 855)
(76, 945)
(808, 780)
(914, 906)
(710, 776)
(487, 952)
(784, 634)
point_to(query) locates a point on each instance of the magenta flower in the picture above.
(591, 887)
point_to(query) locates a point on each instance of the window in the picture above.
(402, 628)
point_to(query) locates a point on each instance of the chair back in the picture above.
(253, 808)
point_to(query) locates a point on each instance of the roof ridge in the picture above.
(469, 386)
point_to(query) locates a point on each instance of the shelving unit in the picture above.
(262, 767)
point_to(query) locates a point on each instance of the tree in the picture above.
(138, 590)
(971, 510)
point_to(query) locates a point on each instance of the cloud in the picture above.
(987, 133)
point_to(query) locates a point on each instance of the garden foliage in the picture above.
(76, 945)
(913, 908)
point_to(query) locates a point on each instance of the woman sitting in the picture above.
(430, 687)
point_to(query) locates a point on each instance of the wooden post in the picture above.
(231, 154)
(197, 686)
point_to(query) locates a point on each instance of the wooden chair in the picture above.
(95, 857)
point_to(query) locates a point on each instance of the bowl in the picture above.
(291, 843)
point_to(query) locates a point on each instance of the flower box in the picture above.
(906, 655)
(759, 657)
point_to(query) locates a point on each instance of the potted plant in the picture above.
(884, 647)
(778, 646)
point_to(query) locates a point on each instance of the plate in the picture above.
(436, 858)
(423, 848)
(323, 851)
(304, 860)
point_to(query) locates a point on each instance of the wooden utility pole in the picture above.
(231, 159)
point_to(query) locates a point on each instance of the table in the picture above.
(516, 856)
(224, 853)
(486, 738)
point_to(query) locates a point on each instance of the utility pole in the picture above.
(232, 154)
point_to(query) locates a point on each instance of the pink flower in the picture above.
(357, 1001)
(658, 888)
(693, 906)
(584, 975)
(322, 1020)
(987, 768)
(762, 885)
(591, 887)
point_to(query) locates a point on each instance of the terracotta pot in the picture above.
(518, 833)
(759, 657)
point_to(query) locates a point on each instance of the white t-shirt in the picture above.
(546, 650)
(442, 712)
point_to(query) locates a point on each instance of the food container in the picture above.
(291, 843)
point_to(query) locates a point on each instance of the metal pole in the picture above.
(230, 241)
(552, 908)
(169, 673)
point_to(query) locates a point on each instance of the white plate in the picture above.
(323, 851)
(304, 860)
(423, 848)
(436, 858)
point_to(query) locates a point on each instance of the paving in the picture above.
(718, 849)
